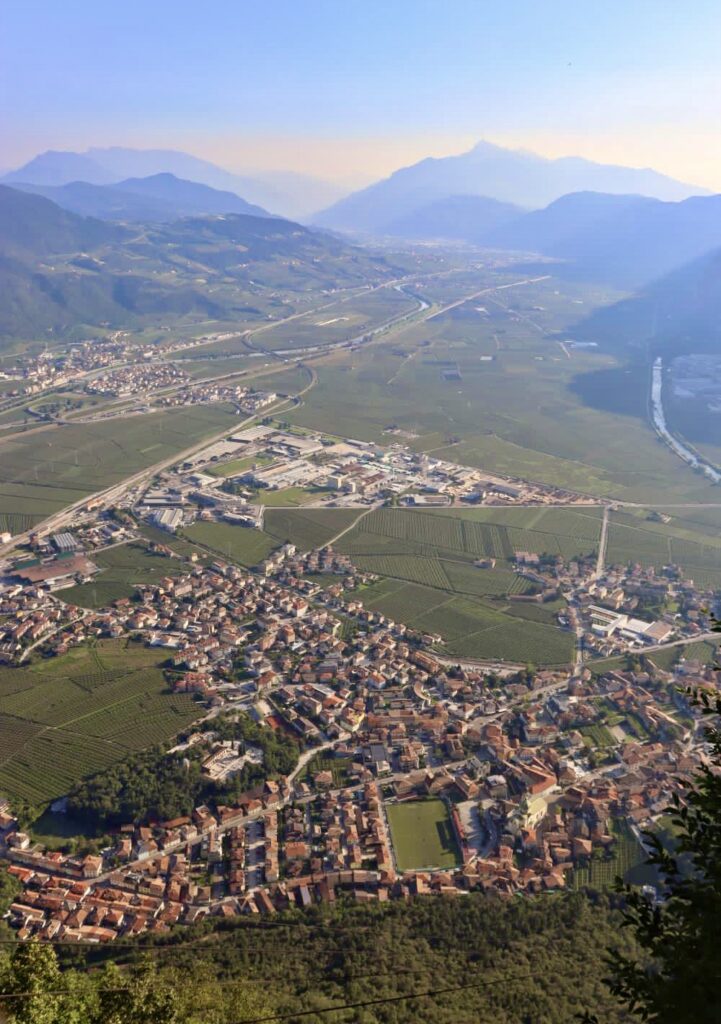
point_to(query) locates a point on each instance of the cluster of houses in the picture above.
(136, 379)
(541, 773)
(245, 399)
(536, 773)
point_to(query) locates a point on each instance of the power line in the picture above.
(256, 931)
(378, 1002)
(42, 995)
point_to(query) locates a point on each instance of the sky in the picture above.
(349, 90)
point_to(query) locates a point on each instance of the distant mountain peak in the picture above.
(507, 175)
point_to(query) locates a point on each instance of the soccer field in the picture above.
(422, 835)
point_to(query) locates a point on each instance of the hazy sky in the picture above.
(352, 89)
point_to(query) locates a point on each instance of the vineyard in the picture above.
(627, 860)
(428, 579)
(123, 569)
(17, 522)
(309, 528)
(468, 534)
(65, 719)
(633, 537)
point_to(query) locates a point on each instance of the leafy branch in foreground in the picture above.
(680, 979)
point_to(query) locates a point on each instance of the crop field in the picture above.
(576, 420)
(340, 322)
(429, 557)
(17, 522)
(422, 835)
(467, 534)
(627, 861)
(45, 470)
(123, 569)
(179, 545)
(597, 736)
(468, 627)
(694, 547)
(307, 528)
(236, 543)
(705, 651)
(64, 719)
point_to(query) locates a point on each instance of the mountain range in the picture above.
(676, 313)
(626, 240)
(284, 193)
(510, 176)
(159, 197)
(67, 274)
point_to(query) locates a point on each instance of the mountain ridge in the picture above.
(67, 274)
(283, 193)
(513, 176)
(161, 197)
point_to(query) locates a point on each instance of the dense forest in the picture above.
(537, 961)
(158, 786)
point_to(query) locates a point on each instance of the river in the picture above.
(659, 422)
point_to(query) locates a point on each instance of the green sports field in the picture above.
(422, 835)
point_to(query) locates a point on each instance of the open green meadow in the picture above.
(69, 717)
(422, 835)
(123, 569)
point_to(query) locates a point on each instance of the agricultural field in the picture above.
(597, 736)
(464, 535)
(516, 403)
(429, 581)
(67, 718)
(236, 466)
(307, 528)
(342, 321)
(239, 544)
(46, 470)
(123, 569)
(422, 835)
(179, 545)
(693, 545)
(627, 860)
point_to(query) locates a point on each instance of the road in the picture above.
(342, 533)
(602, 543)
(115, 491)
(486, 291)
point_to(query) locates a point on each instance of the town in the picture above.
(522, 777)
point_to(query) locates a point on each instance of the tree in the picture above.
(42, 995)
(679, 980)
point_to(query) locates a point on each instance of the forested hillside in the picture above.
(481, 958)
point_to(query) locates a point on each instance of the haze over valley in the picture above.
(360, 512)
